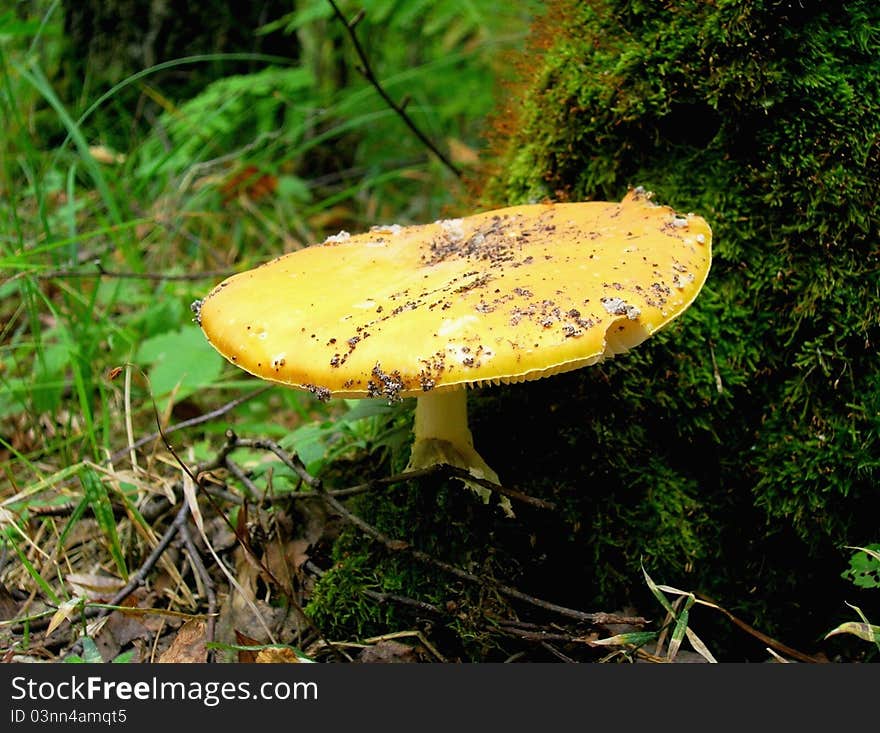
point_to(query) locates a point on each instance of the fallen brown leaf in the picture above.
(277, 655)
(386, 652)
(188, 646)
(94, 586)
(118, 631)
(246, 656)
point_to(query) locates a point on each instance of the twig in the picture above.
(199, 568)
(418, 473)
(556, 653)
(292, 462)
(383, 598)
(399, 109)
(498, 488)
(191, 422)
(141, 575)
(101, 271)
(402, 546)
(237, 471)
(540, 636)
(769, 641)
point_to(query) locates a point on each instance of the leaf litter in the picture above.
(258, 555)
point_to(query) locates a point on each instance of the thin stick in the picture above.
(101, 271)
(293, 463)
(398, 109)
(377, 483)
(140, 576)
(236, 470)
(191, 422)
(768, 640)
(205, 577)
(401, 546)
(556, 653)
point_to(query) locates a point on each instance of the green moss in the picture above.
(751, 429)
(737, 451)
(439, 518)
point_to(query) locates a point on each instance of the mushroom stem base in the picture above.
(442, 436)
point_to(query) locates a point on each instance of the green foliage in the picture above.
(118, 188)
(72, 209)
(97, 498)
(364, 427)
(762, 404)
(92, 655)
(864, 572)
(179, 363)
(864, 567)
(678, 617)
(232, 112)
(338, 605)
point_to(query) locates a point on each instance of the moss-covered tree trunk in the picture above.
(738, 452)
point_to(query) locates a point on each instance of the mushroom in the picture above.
(428, 311)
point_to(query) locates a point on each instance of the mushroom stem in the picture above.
(442, 436)
(442, 415)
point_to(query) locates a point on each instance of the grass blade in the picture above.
(658, 594)
(35, 575)
(99, 501)
(680, 630)
(35, 76)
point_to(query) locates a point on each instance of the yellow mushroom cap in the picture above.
(502, 296)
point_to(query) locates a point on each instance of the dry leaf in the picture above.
(388, 651)
(246, 656)
(247, 573)
(117, 632)
(219, 535)
(93, 586)
(277, 655)
(249, 181)
(188, 646)
(65, 612)
(295, 553)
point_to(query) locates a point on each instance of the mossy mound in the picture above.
(751, 426)
(737, 452)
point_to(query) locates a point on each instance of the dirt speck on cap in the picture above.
(385, 385)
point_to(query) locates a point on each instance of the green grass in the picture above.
(101, 247)
(161, 210)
